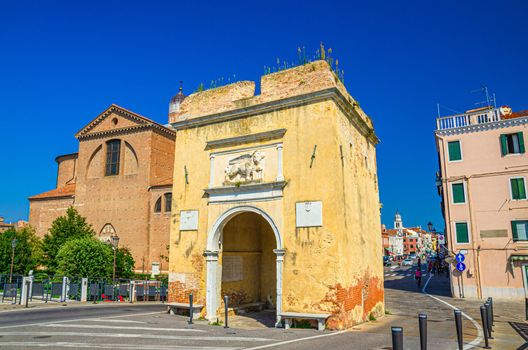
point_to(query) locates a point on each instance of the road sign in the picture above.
(441, 239)
(460, 257)
(461, 266)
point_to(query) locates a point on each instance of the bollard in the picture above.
(397, 338)
(458, 323)
(191, 311)
(27, 293)
(490, 299)
(484, 317)
(488, 319)
(226, 300)
(84, 290)
(422, 323)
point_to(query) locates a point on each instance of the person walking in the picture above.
(418, 276)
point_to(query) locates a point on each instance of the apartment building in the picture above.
(482, 183)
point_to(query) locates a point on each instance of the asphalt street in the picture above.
(148, 326)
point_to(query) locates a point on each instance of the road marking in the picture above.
(407, 274)
(91, 326)
(393, 274)
(295, 340)
(475, 341)
(80, 319)
(114, 321)
(134, 335)
(394, 267)
(114, 346)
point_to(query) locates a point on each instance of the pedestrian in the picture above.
(418, 276)
(430, 267)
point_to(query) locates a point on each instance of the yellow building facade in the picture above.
(275, 199)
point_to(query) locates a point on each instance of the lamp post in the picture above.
(13, 245)
(115, 243)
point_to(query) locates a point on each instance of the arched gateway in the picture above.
(292, 168)
(248, 242)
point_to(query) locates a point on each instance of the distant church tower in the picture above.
(398, 224)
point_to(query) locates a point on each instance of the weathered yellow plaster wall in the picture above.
(335, 268)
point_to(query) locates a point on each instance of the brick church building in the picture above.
(121, 181)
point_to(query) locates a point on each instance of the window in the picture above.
(168, 202)
(461, 230)
(455, 153)
(113, 150)
(458, 193)
(512, 143)
(518, 188)
(157, 206)
(520, 230)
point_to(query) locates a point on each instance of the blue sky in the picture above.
(62, 63)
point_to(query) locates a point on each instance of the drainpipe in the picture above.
(476, 252)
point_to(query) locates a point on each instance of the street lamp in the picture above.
(13, 245)
(430, 226)
(115, 243)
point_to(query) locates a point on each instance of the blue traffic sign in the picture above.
(461, 266)
(460, 257)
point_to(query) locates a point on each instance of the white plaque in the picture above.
(155, 269)
(188, 220)
(309, 214)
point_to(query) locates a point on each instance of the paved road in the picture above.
(64, 313)
(148, 326)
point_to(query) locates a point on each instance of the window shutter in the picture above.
(462, 232)
(514, 188)
(458, 193)
(504, 145)
(521, 189)
(454, 150)
(514, 230)
(521, 141)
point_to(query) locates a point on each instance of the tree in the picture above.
(85, 257)
(64, 228)
(124, 263)
(28, 251)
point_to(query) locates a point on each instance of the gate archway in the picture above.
(236, 221)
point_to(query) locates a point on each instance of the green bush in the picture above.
(28, 251)
(64, 228)
(85, 257)
(124, 263)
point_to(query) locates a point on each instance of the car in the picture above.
(407, 262)
(412, 256)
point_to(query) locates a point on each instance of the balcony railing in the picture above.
(457, 121)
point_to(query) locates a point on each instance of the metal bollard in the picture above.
(484, 317)
(488, 319)
(397, 338)
(226, 301)
(191, 309)
(27, 293)
(422, 323)
(458, 323)
(490, 300)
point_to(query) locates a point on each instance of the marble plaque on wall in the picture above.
(309, 214)
(188, 220)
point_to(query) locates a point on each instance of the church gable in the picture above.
(116, 120)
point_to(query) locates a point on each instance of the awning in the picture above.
(514, 258)
(519, 258)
